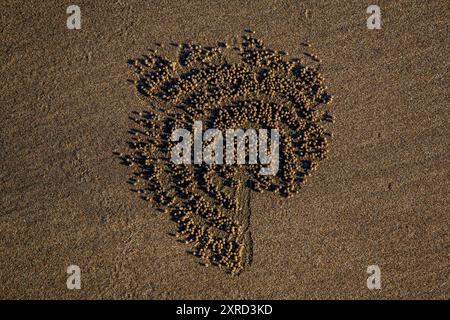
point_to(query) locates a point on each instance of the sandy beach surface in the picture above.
(381, 198)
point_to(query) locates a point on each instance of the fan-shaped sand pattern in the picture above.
(248, 86)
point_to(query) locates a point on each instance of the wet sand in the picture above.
(380, 198)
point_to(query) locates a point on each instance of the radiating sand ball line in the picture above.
(263, 90)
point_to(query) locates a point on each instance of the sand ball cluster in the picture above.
(246, 85)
